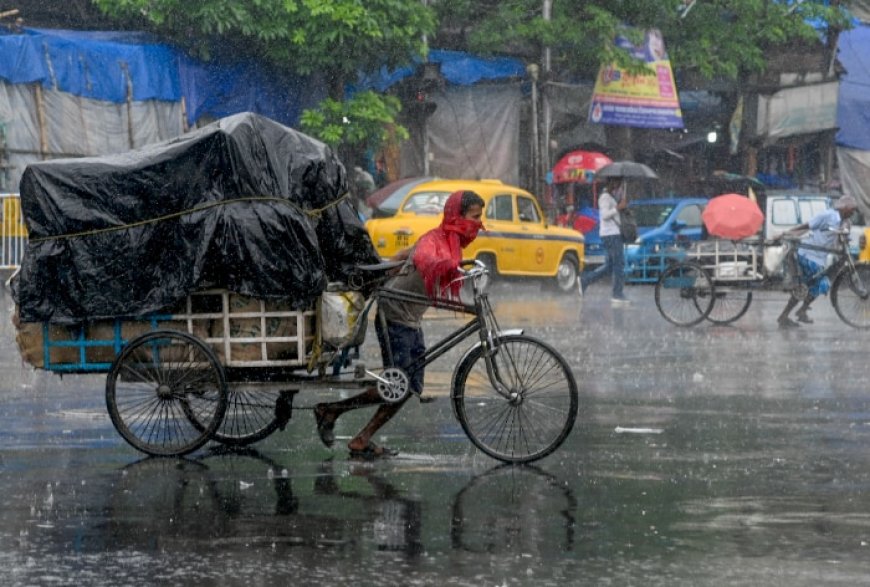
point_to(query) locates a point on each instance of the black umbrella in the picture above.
(626, 169)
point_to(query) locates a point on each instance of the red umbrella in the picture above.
(579, 166)
(732, 216)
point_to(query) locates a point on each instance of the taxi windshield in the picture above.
(426, 202)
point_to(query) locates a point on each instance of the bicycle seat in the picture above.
(382, 266)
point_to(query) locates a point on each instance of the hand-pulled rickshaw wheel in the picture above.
(166, 393)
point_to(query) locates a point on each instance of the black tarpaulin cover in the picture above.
(243, 204)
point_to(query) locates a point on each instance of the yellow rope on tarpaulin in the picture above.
(313, 213)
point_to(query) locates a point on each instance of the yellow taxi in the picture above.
(517, 241)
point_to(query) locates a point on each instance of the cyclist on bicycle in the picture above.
(430, 269)
(811, 262)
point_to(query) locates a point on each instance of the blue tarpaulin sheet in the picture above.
(457, 67)
(99, 64)
(853, 114)
(227, 85)
(94, 65)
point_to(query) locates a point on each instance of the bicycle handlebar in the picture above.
(477, 269)
(475, 266)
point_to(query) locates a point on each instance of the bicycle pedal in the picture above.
(426, 399)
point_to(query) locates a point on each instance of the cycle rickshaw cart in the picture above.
(716, 279)
(215, 365)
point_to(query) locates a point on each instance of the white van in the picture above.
(785, 210)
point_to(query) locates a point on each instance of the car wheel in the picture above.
(566, 275)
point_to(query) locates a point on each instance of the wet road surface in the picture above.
(704, 456)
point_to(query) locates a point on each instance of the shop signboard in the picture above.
(638, 100)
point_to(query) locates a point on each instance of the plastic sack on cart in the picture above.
(340, 311)
(774, 256)
(244, 204)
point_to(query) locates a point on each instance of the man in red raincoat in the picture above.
(431, 267)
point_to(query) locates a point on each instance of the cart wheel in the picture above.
(729, 306)
(252, 414)
(166, 393)
(684, 294)
(850, 295)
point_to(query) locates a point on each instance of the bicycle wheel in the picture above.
(166, 393)
(729, 306)
(532, 409)
(684, 294)
(251, 415)
(849, 296)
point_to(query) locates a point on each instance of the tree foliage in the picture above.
(341, 37)
(336, 38)
(714, 37)
(363, 120)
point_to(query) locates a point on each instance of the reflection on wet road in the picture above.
(702, 456)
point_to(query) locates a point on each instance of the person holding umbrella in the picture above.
(610, 202)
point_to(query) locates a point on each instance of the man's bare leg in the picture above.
(783, 319)
(328, 413)
(802, 311)
(384, 414)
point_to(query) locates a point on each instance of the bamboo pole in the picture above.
(40, 118)
(184, 125)
(131, 141)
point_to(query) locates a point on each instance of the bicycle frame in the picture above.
(843, 262)
(483, 323)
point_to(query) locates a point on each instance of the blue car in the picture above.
(664, 225)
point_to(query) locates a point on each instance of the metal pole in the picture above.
(425, 124)
(532, 69)
(546, 112)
